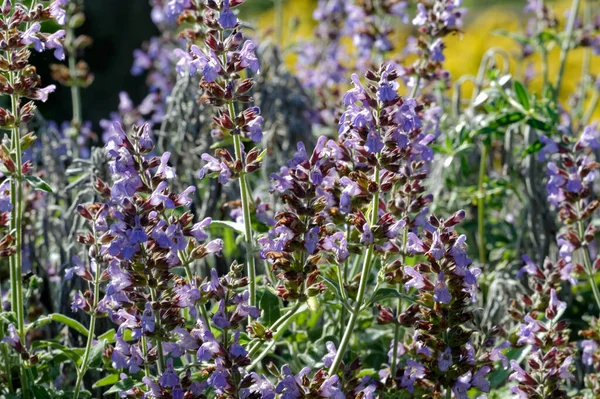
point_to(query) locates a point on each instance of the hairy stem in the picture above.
(244, 197)
(587, 262)
(92, 329)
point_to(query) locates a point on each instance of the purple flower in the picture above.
(248, 58)
(54, 42)
(589, 137)
(220, 318)
(254, 129)
(331, 353)
(350, 190)
(148, 320)
(550, 147)
(330, 388)
(589, 348)
(336, 243)
(440, 292)
(414, 371)
(77, 269)
(518, 373)
(437, 247)
(445, 360)
(407, 117)
(30, 37)
(496, 354)
(210, 66)
(42, 94)
(462, 385)
(555, 304)
(78, 303)
(367, 235)
(164, 170)
(414, 244)
(243, 309)
(176, 7)
(57, 12)
(437, 50)
(169, 378)
(214, 246)
(312, 239)
(5, 204)
(197, 231)
(416, 279)
(386, 90)
(227, 19)
(479, 380)
(421, 17)
(563, 370)
(215, 166)
(13, 338)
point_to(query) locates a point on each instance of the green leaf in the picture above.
(389, 293)
(239, 227)
(38, 184)
(536, 146)
(539, 125)
(509, 119)
(121, 386)
(261, 155)
(109, 336)
(108, 380)
(39, 392)
(269, 304)
(522, 94)
(70, 353)
(74, 324)
(96, 354)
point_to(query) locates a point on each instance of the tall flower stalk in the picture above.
(20, 28)
(223, 56)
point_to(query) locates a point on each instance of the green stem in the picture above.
(247, 217)
(592, 107)
(90, 338)
(481, 205)
(281, 322)
(160, 362)
(399, 303)
(364, 277)
(566, 44)
(16, 227)
(589, 269)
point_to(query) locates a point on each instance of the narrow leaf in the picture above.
(38, 184)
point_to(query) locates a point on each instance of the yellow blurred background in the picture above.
(464, 52)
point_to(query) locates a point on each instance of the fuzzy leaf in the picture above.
(522, 94)
(108, 380)
(269, 304)
(38, 184)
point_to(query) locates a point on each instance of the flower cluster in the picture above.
(435, 19)
(138, 237)
(542, 330)
(20, 30)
